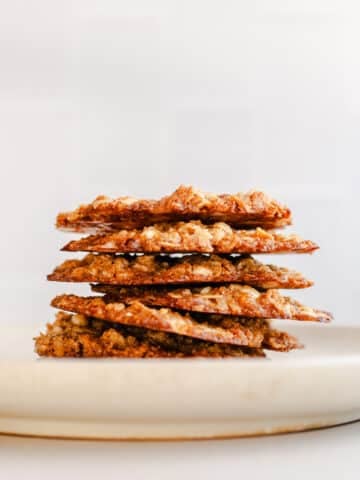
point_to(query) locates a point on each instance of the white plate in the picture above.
(141, 399)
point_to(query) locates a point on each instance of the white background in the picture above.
(134, 97)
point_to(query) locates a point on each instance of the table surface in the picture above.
(330, 453)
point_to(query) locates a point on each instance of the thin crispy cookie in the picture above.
(234, 331)
(157, 270)
(186, 203)
(164, 319)
(192, 237)
(231, 299)
(80, 336)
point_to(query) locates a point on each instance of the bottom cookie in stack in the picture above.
(102, 327)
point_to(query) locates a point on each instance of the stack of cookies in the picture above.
(176, 278)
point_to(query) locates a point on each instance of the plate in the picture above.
(182, 399)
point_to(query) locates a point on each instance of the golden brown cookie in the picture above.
(165, 269)
(250, 209)
(158, 319)
(192, 237)
(80, 336)
(230, 330)
(229, 299)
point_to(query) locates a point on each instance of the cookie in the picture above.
(250, 209)
(80, 336)
(233, 331)
(192, 237)
(165, 269)
(229, 299)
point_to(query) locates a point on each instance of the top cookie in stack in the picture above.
(212, 299)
